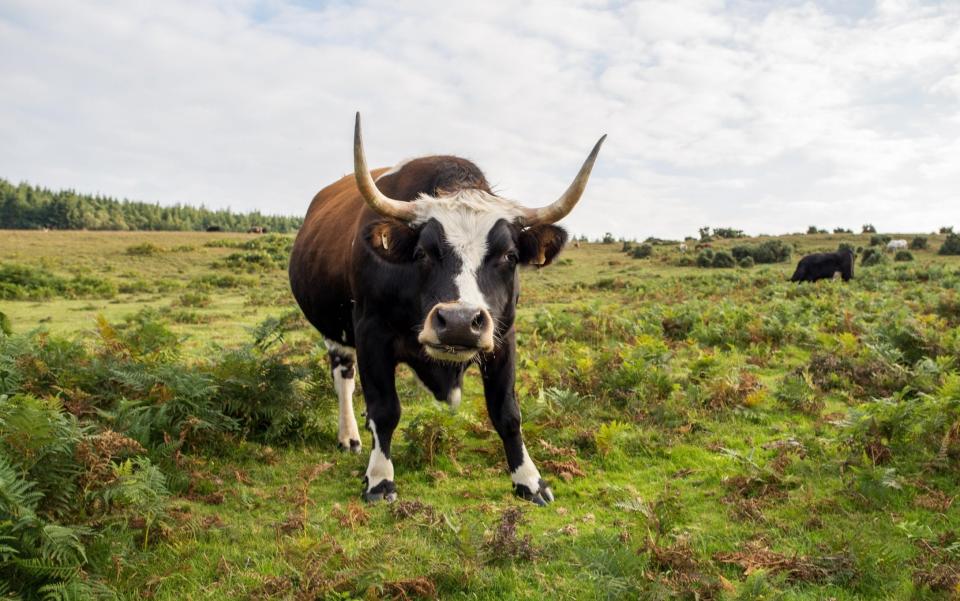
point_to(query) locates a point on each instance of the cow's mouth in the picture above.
(450, 352)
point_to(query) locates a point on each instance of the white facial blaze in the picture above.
(526, 473)
(380, 468)
(467, 218)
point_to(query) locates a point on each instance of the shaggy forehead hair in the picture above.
(467, 216)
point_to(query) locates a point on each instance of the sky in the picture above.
(762, 116)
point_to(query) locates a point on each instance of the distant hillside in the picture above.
(30, 207)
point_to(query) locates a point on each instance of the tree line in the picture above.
(24, 206)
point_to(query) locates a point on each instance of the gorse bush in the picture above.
(880, 240)
(705, 258)
(642, 251)
(722, 259)
(146, 249)
(950, 246)
(903, 256)
(768, 251)
(872, 256)
(918, 243)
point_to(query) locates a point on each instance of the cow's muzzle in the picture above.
(456, 332)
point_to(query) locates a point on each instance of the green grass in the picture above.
(655, 400)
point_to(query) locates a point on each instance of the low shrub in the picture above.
(746, 262)
(950, 246)
(880, 240)
(19, 282)
(918, 243)
(872, 256)
(642, 251)
(903, 256)
(705, 258)
(146, 249)
(769, 251)
(194, 299)
(722, 259)
(64, 488)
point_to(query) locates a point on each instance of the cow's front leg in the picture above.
(377, 372)
(498, 388)
(342, 359)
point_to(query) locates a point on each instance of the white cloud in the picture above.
(768, 117)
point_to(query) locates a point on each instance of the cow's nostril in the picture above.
(478, 321)
(441, 322)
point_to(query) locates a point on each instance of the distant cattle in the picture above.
(822, 266)
(256, 229)
(897, 244)
(214, 228)
(683, 247)
(702, 245)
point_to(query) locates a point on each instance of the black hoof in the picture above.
(385, 491)
(353, 448)
(541, 497)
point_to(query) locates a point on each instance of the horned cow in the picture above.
(418, 265)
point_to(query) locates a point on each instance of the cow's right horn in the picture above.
(378, 201)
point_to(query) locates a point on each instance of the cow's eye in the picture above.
(419, 254)
(511, 258)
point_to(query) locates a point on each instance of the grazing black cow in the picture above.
(214, 228)
(822, 266)
(418, 265)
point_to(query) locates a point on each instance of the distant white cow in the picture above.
(896, 244)
(683, 247)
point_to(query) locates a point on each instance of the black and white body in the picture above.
(418, 265)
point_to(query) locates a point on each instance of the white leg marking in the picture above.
(342, 349)
(454, 399)
(348, 430)
(380, 468)
(526, 473)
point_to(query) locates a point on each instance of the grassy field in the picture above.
(709, 433)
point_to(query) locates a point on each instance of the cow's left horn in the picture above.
(378, 201)
(553, 213)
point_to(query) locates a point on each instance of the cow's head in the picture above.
(465, 248)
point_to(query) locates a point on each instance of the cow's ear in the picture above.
(540, 244)
(390, 240)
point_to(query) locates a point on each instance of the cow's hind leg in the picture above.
(343, 367)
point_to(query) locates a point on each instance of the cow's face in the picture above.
(465, 255)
